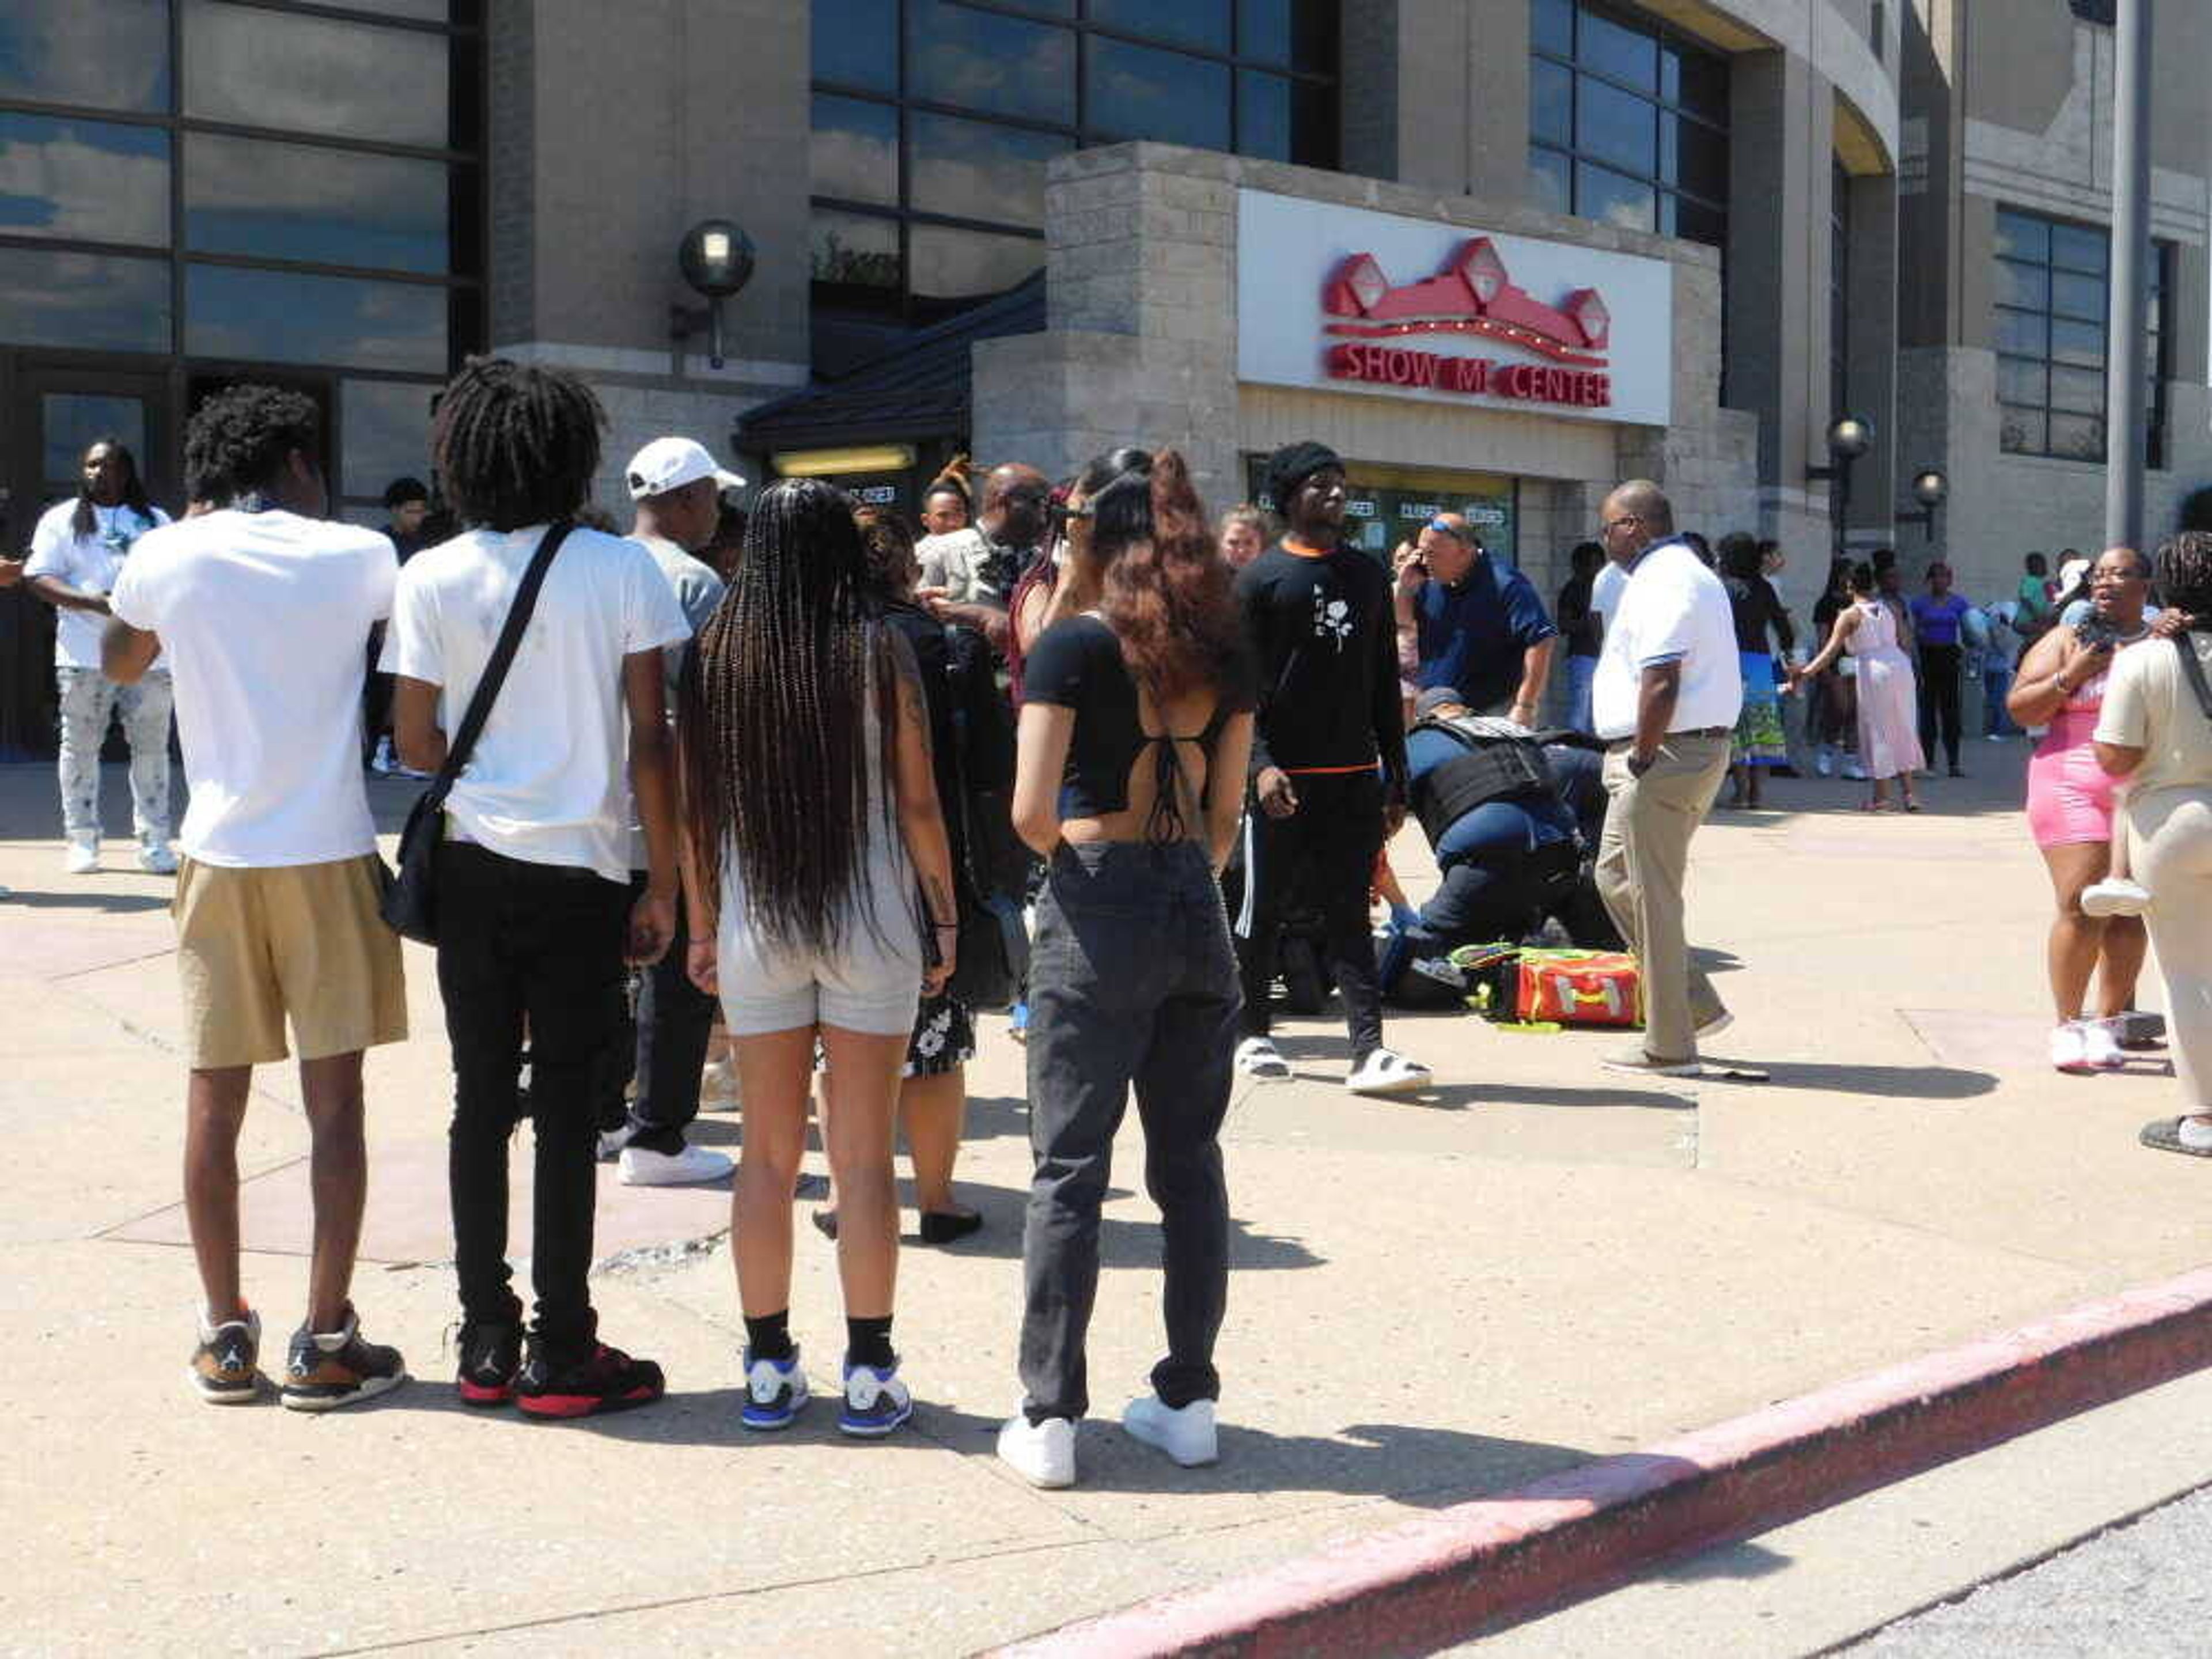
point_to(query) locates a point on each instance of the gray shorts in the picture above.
(872, 984)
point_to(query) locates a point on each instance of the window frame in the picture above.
(1080, 131)
(465, 285)
(1665, 37)
(2160, 340)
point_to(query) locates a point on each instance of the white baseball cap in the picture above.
(667, 464)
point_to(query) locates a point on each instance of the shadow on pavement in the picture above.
(1460, 1096)
(86, 899)
(1120, 1243)
(1891, 1082)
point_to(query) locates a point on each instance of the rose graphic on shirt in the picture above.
(1332, 619)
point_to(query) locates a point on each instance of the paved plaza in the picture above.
(1537, 1264)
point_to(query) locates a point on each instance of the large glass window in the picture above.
(934, 120)
(2050, 327)
(1627, 121)
(324, 162)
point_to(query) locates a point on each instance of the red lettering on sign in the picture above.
(1470, 377)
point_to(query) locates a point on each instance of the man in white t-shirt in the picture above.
(76, 552)
(677, 486)
(1665, 697)
(536, 922)
(266, 608)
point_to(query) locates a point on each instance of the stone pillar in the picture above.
(1435, 94)
(590, 214)
(1884, 477)
(1140, 345)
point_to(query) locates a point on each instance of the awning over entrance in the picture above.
(919, 390)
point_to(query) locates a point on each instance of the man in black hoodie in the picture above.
(1328, 760)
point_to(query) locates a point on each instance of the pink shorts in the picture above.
(2069, 796)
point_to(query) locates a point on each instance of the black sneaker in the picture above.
(329, 1369)
(224, 1369)
(491, 1355)
(604, 1380)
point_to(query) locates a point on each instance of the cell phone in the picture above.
(1061, 512)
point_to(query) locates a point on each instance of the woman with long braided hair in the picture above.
(812, 809)
(2155, 730)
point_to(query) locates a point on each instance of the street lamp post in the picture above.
(2126, 403)
(1930, 487)
(716, 259)
(1849, 437)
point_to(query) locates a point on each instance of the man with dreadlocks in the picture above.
(268, 605)
(536, 920)
(76, 552)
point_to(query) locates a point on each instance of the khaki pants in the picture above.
(1641, 861)
(2170, 847)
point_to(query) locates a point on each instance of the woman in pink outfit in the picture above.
(1888, 701)
(2061, 687)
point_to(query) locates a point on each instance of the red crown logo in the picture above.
(1473, 294)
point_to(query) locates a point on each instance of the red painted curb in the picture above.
(1450, 1574)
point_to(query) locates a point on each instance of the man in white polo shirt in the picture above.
(1666, 697)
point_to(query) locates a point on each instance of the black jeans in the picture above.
(540, 944)
(663, 1044)
(1320, 857)
(1132, 982)
(1940, 667)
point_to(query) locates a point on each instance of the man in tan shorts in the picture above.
(266, 608)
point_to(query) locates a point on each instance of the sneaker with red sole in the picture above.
(491, 1356)
(603, 1379)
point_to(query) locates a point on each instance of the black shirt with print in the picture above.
(1325, 644)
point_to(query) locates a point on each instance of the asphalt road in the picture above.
(2141, 1589)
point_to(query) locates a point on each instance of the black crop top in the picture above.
(1077, 663)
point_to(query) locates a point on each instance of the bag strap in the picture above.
(2193, 672)
(495, 673)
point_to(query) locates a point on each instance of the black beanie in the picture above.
(1292, 464)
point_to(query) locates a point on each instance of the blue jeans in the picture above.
(1132, 982)
(1996, 685)
(1582, 673)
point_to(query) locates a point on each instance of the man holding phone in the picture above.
(1328, 760)
(1470, 625)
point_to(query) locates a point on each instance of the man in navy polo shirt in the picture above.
(1467, 623)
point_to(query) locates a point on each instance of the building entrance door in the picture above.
(51, 416)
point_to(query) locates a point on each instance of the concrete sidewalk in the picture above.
(1537, 1265)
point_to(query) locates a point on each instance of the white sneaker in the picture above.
(1259, 1059)
(1855, 772)
(2115, 895)
(1186, 1435)
(2069, 1048)
(155, 858)
(2101, 1045)
(83, 856)
(381, 763)
(643, 1167)
(1385, 1072)
(1042, 1454)
(611, 1141)
(1825, 762)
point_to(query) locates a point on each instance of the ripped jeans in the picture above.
(88, 699)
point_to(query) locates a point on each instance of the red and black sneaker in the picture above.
(603, 1379)
(491, 1355)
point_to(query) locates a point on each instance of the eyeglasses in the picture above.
(1612, 525)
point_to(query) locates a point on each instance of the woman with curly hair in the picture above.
(813, 818)
(1135, 738)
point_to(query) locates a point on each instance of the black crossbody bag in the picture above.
(409, 899)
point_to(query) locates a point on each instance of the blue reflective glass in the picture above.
(991, 63)
(974, 170)
(97, 181)
(83, 302)
(1263, 116)
(322, 206)
(853, 150)
(108, 54)
(385, 430)
(1134, 92)
(274, 316)
(1177, 22)
(70, 422)
(856, 43)
(302, 74)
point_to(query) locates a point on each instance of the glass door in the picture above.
(51, 416)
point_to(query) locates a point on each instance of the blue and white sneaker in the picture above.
(1017, 1022)
(876, 1402)
(775, 1390)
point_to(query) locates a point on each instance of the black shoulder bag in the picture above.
(994, 959)
(409, 902)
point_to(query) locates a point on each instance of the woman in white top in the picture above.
(820, 883)
(2155, 730)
